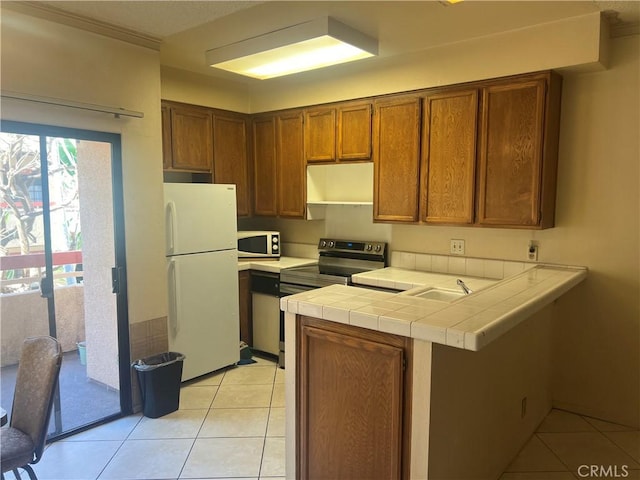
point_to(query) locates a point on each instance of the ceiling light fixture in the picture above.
(306, 46)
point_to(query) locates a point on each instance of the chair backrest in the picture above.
(36, 381)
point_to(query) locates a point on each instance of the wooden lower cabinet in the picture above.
(353, 399)
(244, 293)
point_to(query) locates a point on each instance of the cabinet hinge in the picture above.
(404, 364)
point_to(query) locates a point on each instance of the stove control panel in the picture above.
(375, 248)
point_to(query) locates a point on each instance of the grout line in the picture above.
(186, 459)
(264, 443)
(122, 442)
(553, 452)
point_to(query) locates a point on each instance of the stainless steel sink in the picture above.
(440, 294)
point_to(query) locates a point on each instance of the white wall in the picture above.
(571, 42)
(98, 256)
(47, 59)
(187, 87)
(477, 424)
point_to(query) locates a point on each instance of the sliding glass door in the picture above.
(63, 265)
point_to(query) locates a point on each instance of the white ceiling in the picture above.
(156, 18)
(185, 29)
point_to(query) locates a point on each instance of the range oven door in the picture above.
(288, 289)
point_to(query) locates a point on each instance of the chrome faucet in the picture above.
(464, 287)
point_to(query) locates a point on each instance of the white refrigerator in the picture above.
(202, 274)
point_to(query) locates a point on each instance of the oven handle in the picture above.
(291, 289)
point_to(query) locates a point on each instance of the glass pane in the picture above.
(23, 312)
(83, 253)
(82, 245)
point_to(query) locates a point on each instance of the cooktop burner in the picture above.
(337, 261)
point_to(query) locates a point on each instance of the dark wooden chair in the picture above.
(23, 440)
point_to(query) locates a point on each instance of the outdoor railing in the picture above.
(35, 262)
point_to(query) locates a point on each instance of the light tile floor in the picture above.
(567, 446)
(229, 425)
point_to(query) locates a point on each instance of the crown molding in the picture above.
(57, 15)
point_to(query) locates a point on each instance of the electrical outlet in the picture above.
(457, 247)
(532, 251)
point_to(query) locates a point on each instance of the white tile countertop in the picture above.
(402, 279)
(273, 265)
(470, 322)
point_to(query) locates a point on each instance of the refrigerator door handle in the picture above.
(173, 297)
(171, 227)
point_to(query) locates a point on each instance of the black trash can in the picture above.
(159, 377)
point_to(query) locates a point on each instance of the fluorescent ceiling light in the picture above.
(306, 46)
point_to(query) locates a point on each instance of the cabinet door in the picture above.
(350, 406)
(265, 174)
(244, 293)
(449, 157)
(291, 166)
(192, 142)
(166, 137)
(320, 135)
(511, 154)
(230, 156)
(354, 132)
(396, 157)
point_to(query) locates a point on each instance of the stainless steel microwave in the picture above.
(258, 244)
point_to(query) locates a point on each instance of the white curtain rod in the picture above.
(116, 112)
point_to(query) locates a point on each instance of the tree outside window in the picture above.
(21, 203)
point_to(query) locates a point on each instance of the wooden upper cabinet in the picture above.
(279, 166)
(166, 137)
(354, 131)
(396, 157)
(265, 172)
(230, 164)
(191, 139)
(518, 152)
(484, 153)
(449, 157)
(340, 133)
(320, 135)
(291, 165)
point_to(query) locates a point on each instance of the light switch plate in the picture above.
(457, 247)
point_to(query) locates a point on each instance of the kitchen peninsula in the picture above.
(392, 385)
